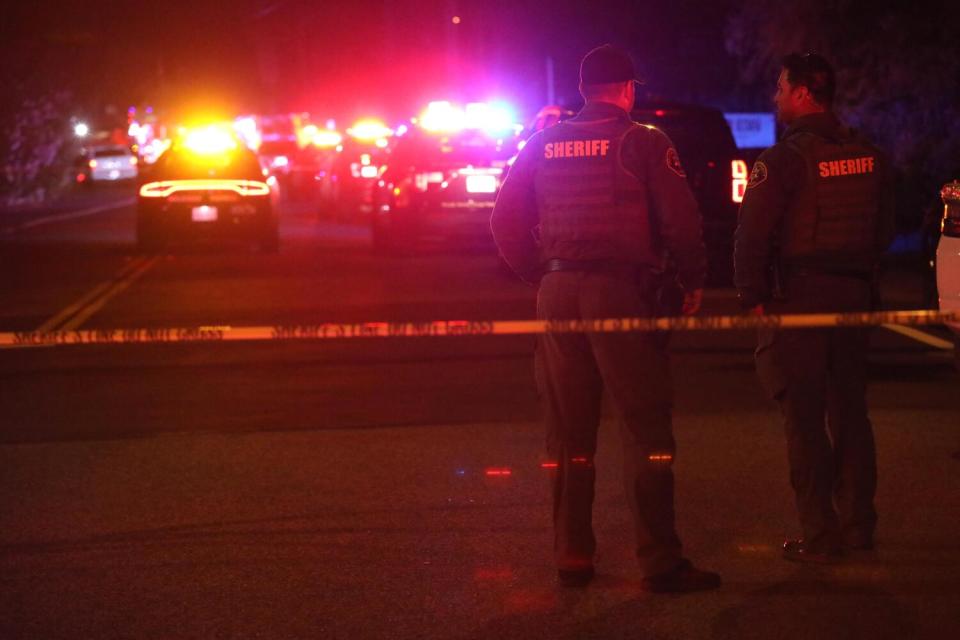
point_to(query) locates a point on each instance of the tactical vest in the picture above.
(834, 220)
(591, 207)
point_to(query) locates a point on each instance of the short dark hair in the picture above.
(598, 91)
(812, 71)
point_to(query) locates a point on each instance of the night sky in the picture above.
(346, 59)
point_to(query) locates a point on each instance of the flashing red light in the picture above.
(81, 177)
(659, 113)
(739, 176)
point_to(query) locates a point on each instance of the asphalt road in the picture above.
(343, 489)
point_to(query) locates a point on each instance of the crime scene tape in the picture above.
(453, 328)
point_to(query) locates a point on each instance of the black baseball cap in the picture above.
(607, 64)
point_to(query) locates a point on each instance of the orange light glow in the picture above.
(660, 457)
(209, 140)
(93, 164)
(369, 130)
(165, 188)
(739, 178)
(327, 138)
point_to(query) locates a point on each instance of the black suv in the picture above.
(440, 185)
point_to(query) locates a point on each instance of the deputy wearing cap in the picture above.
(591, 209)
(817, 214)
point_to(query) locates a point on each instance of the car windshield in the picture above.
(421, 149)
(181, 165)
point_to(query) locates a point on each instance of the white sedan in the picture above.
(112, 163)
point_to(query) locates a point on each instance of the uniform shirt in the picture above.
(648, 154)
(779, 174)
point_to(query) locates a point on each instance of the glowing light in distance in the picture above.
(327, 138)
(739, 177)
(441, 116)
(280, 161)
(489, 117)
(81, 129)
(209, 140)
(93, 164)
(369, 171)
(248, 131)
(369, 129)
(498, 473)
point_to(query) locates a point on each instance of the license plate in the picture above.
(481, 184)
(204, 214)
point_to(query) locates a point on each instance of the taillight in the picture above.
(738, 180)
(165, 188)
(950, 226)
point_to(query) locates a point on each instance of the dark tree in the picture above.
(898, 74)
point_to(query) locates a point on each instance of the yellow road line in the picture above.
(117, 288)
(88, 297)
(920, 336)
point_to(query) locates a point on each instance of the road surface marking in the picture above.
(97, 304)
(920, 336)
(68, 215)
(98, 296)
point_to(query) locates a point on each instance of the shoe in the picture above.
(575, 578)
(684, 578)
(799, 551)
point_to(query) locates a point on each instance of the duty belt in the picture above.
(610, 267)
(806, 272)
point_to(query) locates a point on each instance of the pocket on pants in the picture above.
(770, 370)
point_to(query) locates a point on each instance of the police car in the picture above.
(348, 178)
(442, 177)
(716, 171)
(207, 185)
(948, 252)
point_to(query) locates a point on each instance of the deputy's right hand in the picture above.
(691, 302)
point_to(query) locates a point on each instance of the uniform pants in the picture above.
(572, 371)
(818, 377)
